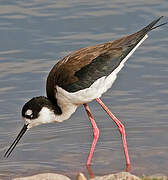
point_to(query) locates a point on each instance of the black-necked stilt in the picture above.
(79, 78)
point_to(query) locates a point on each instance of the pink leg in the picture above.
(120, 128)
(95, 134)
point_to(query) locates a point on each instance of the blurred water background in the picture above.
(34, 35)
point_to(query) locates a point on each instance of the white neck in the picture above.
(48, 116)
(67, 110)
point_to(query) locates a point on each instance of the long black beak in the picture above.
(9, 151)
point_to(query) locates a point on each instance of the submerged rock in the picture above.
(156, 177)
(44, 176)
(117, 176)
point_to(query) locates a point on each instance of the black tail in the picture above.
(152, 26)
(159, 25)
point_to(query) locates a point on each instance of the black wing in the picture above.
(82, 67)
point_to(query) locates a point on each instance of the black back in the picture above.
(82, 67)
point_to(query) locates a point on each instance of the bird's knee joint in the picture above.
(96, 133)
(121, 128)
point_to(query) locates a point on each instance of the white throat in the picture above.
(45, 116)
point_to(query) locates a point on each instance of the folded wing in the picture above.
(86, 69)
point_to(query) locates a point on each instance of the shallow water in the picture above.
(34, 35)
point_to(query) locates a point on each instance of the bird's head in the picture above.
(38, 110)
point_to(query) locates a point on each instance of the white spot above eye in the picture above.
(29, 112)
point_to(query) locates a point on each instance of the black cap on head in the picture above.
(32, 108)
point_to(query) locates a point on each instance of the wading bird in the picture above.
(79, 78)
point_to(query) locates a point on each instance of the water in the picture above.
(34, 35)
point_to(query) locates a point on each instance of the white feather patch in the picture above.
(45, 116)
(29, 112)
